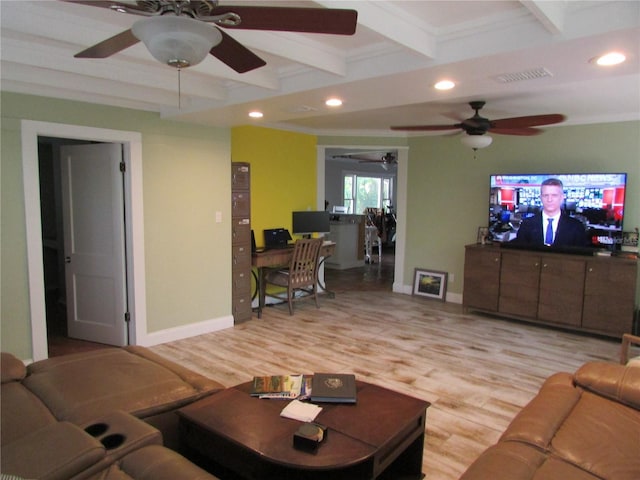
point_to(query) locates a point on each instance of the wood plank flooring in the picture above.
(477, 371)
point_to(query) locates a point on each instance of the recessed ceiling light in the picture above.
(333, 102)
(256, 114)
(612, 58)
(444, 85)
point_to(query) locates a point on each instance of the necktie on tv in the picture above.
(548, 236)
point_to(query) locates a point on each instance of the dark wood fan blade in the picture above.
(293, 19)
(128, 7)
(109, 46)
(427, 128)
(530, 121)
(525, 131)
(236, 55)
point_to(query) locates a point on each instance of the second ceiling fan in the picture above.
(188, 21)
(478, 125)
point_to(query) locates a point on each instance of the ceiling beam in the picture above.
(390, 21)
(550, 14)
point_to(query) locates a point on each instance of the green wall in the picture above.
(448, 189)
(186, 180)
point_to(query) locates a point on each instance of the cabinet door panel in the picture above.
(519, 283)
(609, 296)
(481, 278)
(561, 290)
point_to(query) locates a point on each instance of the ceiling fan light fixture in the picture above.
(179, 42)
(476, 141)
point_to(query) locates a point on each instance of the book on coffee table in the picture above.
(279, 386)
(333, 388)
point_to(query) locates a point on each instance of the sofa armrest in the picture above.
(616, 382)
(58, 451)
(11, 368)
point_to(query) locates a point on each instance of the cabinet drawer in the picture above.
(241, 281)
(240, 230)
(240, 179)
(240, 204)
(241, 257)
(241, 307)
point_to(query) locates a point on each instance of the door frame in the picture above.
(134, 224)
(401, 200)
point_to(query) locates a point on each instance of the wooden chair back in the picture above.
(303, 268)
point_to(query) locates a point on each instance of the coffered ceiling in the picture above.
(521, 57)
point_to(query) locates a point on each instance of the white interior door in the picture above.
(94, 245)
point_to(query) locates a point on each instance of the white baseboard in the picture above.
(178, 333)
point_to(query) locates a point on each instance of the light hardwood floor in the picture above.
(476, 371)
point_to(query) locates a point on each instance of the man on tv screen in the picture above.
(551, 227)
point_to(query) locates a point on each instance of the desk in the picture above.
(280, 257)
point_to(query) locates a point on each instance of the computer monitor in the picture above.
(308, 222)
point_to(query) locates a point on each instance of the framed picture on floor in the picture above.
(430, 284)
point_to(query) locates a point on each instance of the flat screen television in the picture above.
(596, 199)
(308, 222)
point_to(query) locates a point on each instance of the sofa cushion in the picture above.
(518, 461)
(57, 451)
(12, 368)
(80, 387)
(602, 437)
(153, 463)
(21, 413)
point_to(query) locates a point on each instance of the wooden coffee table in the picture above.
(382, 436)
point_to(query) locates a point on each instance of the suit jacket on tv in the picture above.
(570, 232)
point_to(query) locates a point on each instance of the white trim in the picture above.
(132, 142)
(178, 333)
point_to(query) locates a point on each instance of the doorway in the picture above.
(133, 198)
(83, 220)
(329, 188)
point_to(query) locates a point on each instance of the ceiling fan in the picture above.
(187, 22)
(388, 159)
(477, 125)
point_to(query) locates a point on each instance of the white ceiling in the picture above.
(385, 72)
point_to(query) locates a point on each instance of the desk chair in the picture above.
(302, 274)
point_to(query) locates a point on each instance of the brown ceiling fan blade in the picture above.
(236, 55)
(128, 7)
(525, 131)
(530, 121)
(108, 47)
(292, 19)
(427, 128)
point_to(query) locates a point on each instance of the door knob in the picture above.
(67, 259)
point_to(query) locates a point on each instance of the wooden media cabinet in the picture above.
(588, 293)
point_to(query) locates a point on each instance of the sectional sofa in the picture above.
(584, 426)
(106, 414)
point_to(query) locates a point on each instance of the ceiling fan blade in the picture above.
(425, 128)
(127, 7)
(236, 55)
(524, 131)
(108, 47)
(292, 19)
(530, 121)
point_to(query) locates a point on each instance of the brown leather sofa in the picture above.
(584, 426)
(94, 415)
